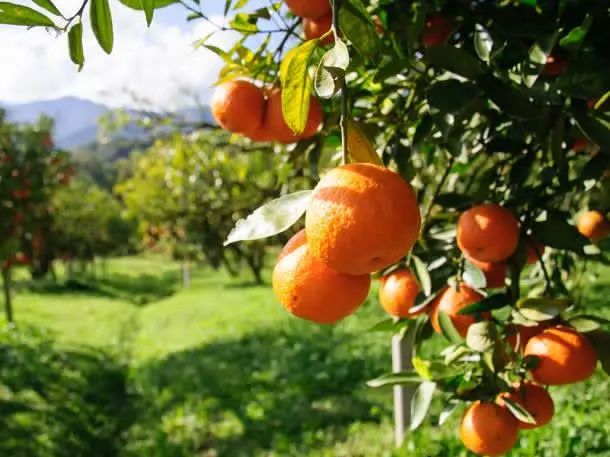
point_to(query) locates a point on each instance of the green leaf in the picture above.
(556, 233)
(331, 70)
(573, 40)
(297, 85)
(22, 15)
(48, 5)
(390, 324)
(482, 336)
(542, 309)
(473, 276)
(137, 4)
(245, 23)
(393, 379)
(421, 271)
(510, 100)
(272, 218)
(537, 57)
(489, 303)
(454, 60)
(451, 96)
(594, 128)
(483, 43)
(519, 411)
(149, 10)
(423, 129)
(447, 411)
(421, 403)
(421, 304)
(585, 323)
(449, 331)
(75, 44)
(355, 23)
(101, 22)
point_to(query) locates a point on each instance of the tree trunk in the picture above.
(8, 304)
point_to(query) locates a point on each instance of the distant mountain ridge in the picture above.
(76, 119)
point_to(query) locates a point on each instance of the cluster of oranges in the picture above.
(242, 107)
(361, 219)
(317, 18)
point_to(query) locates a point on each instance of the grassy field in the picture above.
(130, 365)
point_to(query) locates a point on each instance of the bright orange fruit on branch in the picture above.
(397, 293)
(362, 218)
(594, 225)
(488, 233)
(315, 28)
(309, 8)
(310, 290)
(536, 400)
(238, 106)
(276, 125)
(564, 356)
(488, 429)
(436, 30)
(451, 301)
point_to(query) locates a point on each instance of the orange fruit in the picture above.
(397, 293)
(555, 65)
(488, 233)
(436, 30)
(536, 400)
(277, 127)
(310, 290)
(488, 429)
(451, 301)
(565, 356)
(495, 273)
(315, 28)
(313, 9)
(594, 225)
(238, 106)
(362, 218)
(535, 250)
(580, 144)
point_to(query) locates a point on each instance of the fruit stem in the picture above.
(336, 6)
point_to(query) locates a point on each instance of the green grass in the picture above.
(221, 369)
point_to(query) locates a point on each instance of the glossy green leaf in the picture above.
(13, 14)
(393, 379)
(331, 70)
(297, 85)
(149, 10)
(48, 5)
(559, 234)
(356, 25)
(272, 218)
(575, 37)
(449, 331)
(483, 43)
(586, 323)
(542, 309)
(447, 411)
(455, 60)
(489, 303)
(75, 44)
(101, 23)
(137, 4)
(519, 411)
(423, 276)
(474, 276)
(422, 399)
(482, 336)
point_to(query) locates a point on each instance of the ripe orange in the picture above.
(315, 28)
(451, 302)
(310, 290)
(397, 293)
(495, 273)
(536, 400)
(436, 31)
(488, 429)
(565, 356)
(309, 8)
(594, 225)
(580, 144)
(362, 218)
(238, 106)
(488, 233)
(555, 65)
(535, 250)
(277, 127)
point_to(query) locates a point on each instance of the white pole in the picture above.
(402, 354)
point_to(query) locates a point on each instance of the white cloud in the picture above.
(158, 64)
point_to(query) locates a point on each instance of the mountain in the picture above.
(76, 120)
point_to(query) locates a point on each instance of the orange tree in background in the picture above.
(30, 171)
(494, 115)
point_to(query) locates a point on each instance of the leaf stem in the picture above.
(336, 6)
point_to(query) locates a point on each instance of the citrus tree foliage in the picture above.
(88, 222)
(188, 191)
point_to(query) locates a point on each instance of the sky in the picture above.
(159, 63)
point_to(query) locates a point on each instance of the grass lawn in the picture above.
(131, 365)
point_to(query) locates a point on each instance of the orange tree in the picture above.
(30, 170)
(496, 112)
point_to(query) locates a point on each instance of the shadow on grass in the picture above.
(279, 389)
(139, 290)
(59, 403)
